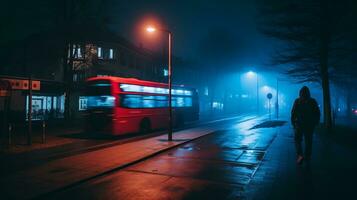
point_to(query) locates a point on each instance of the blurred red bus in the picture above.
(126, 105)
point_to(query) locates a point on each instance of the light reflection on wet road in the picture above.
(217, 166)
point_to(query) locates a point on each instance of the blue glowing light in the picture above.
(153, 90)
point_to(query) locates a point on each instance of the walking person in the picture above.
(305, 116)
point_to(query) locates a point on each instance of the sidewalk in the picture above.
(74, 169)
(67, 142)
(64, 137)
(331, 174)
(54, 136)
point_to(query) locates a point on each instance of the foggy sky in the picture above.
(192, 23)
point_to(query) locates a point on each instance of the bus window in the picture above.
(181, 101)
(97, 88)
(153, 101)
(98, 94)
(100, 101)
(143, 101)
(130, 101)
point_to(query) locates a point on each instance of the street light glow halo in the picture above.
(251, 73)
(150, 29)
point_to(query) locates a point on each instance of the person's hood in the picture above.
(305, 93)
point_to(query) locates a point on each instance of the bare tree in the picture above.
(311, 39)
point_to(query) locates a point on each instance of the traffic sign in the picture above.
(269, 96)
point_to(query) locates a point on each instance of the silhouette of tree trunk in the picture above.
(324, 57)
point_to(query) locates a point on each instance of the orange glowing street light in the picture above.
(152, 29)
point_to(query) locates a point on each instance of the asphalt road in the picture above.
(217, 166)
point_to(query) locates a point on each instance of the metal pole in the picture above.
(8, 116)
(170, 87)
(257, 93)
(269, 109)
(9, 134)
(277, 99)
(43, 131)
(29, 133)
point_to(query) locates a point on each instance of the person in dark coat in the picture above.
(305, 116)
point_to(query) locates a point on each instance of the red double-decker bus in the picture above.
(126, 105)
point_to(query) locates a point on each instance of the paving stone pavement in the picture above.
(330, 175)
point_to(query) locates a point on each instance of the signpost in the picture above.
(269, 96)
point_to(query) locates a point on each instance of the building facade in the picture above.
(45, 58)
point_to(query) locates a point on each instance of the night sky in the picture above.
(225, 29)
(205, 31)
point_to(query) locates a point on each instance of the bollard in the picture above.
(9, 134)
(43, 131)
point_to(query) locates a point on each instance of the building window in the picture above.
(111, 54)
(77, 53)
(100, 53)
(75, 77)
(206, 91)
(166, 72)
(45, 107)
(82, 103)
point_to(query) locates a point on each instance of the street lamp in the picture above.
(251, 74)
(152, 29)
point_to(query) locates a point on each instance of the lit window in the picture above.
(149, 89)
(44, 107)
(166, 72)
(217, 105)
(74, 77)
(111, 54)
(77, 52)
(188, 92)
(99, 51)
(82, 103)
(206, 91)
(160, 90)
(177, 92)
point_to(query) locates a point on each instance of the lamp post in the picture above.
(257, 93)
(152, 29)
(277, 99)
(278, 80)
(251, 73)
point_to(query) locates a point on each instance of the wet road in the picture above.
(217, 166)
(90, 142)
